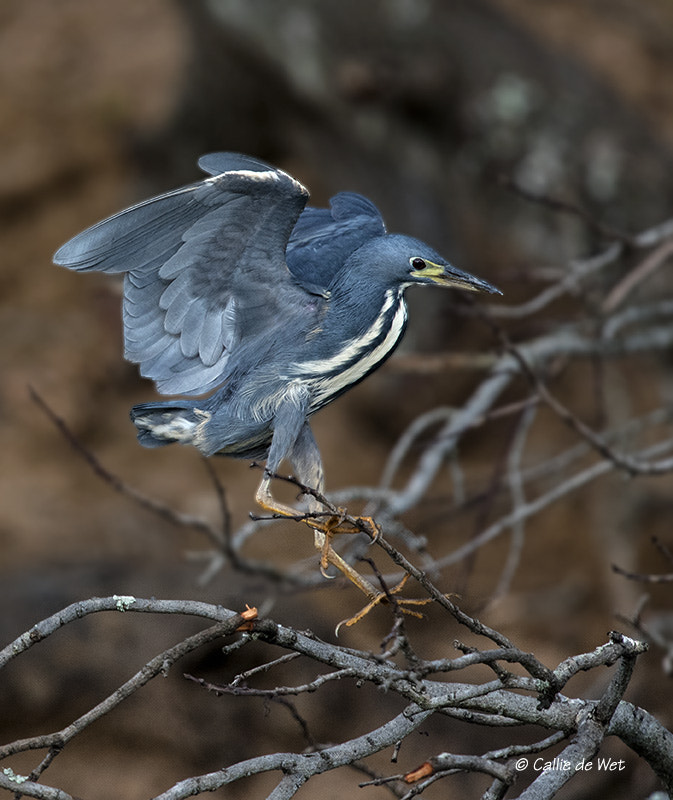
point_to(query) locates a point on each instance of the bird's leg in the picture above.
(288, 425)
(323, 532)
(322, 536)
(268, 502)
(307, 463)
(293, 439)
(328, 555)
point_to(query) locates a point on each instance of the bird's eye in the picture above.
(418, 263)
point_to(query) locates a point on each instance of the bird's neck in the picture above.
(355, 304)
(355, 308)
(363, 325)
(354, 340)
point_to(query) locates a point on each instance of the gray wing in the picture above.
(205, 268)
(323, 238)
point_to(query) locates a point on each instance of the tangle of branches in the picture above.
(609, 315)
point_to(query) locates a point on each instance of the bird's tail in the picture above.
(164, 423)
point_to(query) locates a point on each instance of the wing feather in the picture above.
(197, 261)
(324, 238)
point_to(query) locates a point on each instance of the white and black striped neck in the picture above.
(350, 360)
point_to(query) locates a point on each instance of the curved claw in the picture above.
(383, 597)
(362, 613)
(374, 527)
(325, 573)
(324, 530)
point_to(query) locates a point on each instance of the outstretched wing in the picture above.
(205, 268)
(323, 238)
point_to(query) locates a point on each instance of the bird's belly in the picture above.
(249, 443)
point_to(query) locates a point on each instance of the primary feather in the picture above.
(195, 260)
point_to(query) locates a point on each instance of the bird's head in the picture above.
(400, 260)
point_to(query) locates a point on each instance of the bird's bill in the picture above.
(447, 275)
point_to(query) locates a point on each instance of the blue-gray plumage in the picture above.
(232, 285)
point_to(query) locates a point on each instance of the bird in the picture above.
(254, 310)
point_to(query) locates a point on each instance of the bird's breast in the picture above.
(356, 357)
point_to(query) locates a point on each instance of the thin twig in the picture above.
(115, 482)
(640, 273)
(566, 207)
(628, 463)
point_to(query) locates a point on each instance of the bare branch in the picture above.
(20, 785)
(298, 768)
(566, 207)
(640, 273)
(532, 507)
(519, 688)
(507, 700)
(642, 578)
(157, 666)
(632, 465)
(115, 482)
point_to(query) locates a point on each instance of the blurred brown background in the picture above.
(421, 105)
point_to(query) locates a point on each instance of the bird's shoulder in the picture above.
(324, 238)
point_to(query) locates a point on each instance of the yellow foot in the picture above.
(384, 597)
(338, 522)
(334, 520)
(331, 520)
(340, 525)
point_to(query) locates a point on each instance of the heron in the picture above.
(254, 311)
